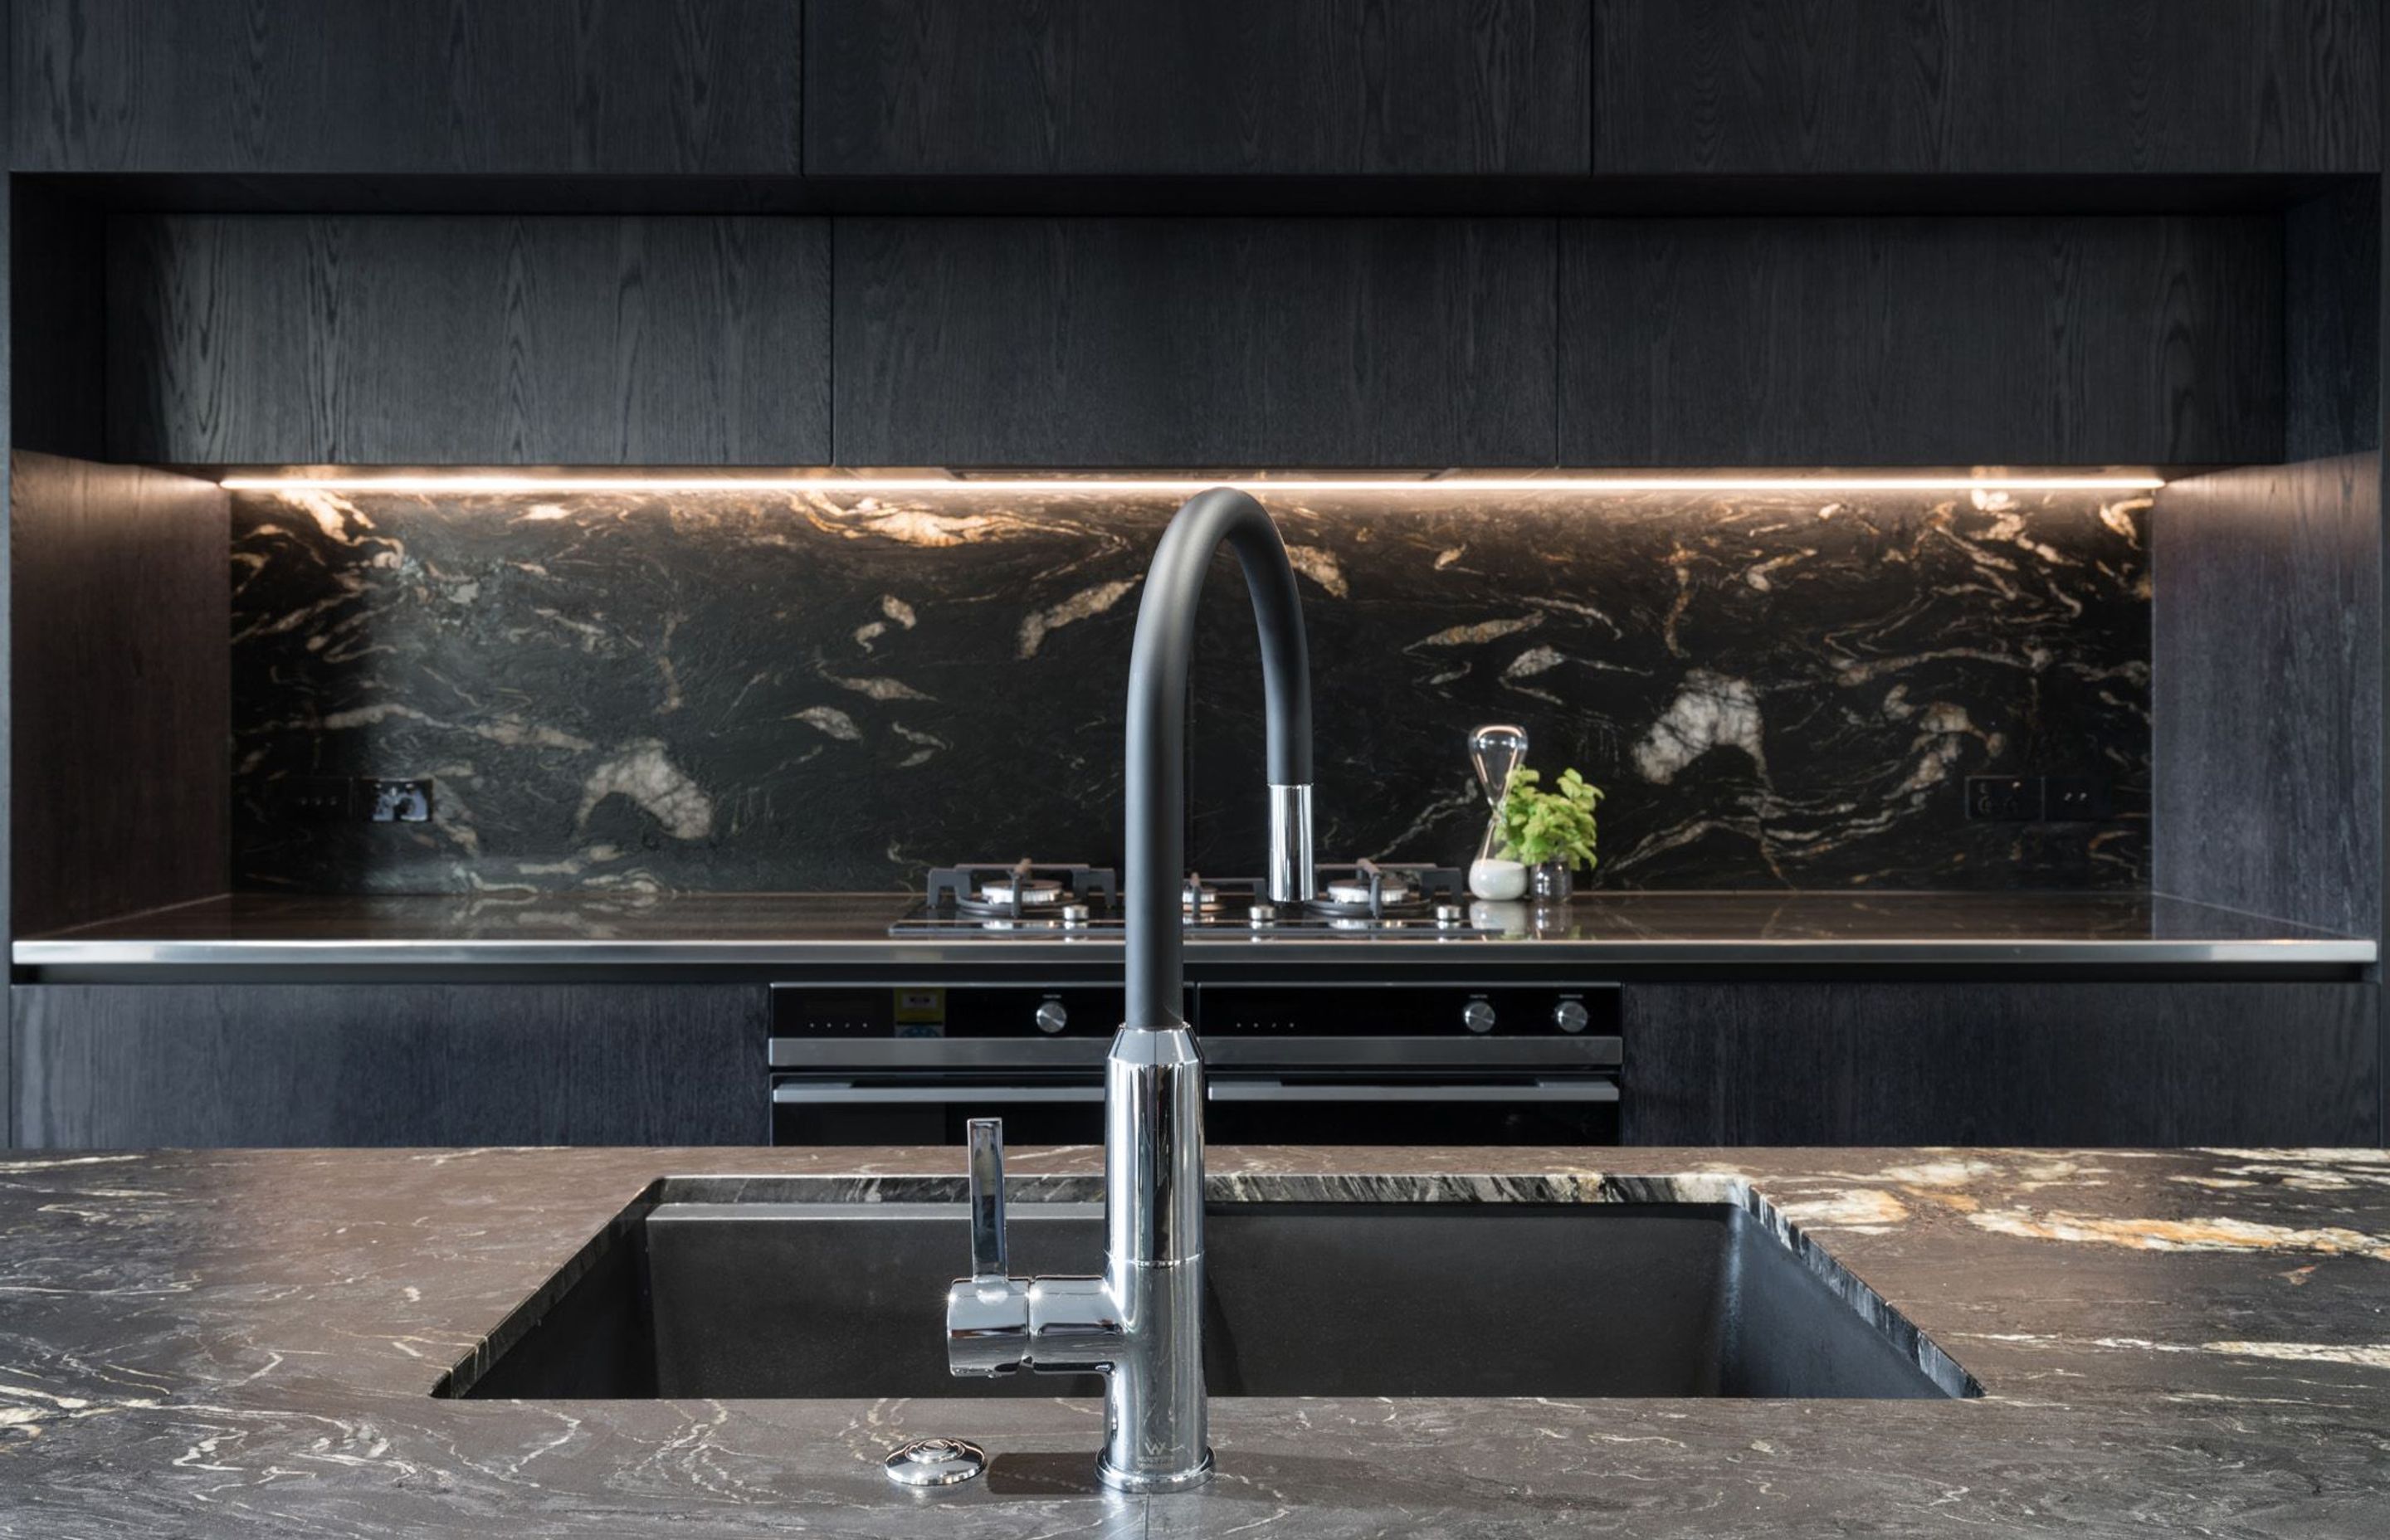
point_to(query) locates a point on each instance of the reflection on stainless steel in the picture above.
(1292, 879)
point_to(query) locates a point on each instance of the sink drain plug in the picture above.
(935, 1462)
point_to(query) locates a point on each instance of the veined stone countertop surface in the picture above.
(244, 1343)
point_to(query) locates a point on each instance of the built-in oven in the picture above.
(1440, 1064)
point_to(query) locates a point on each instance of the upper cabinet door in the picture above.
(1928, 341)
(468, 340)
(1193, 342)
(406, 86)
(2014, 86)
(1164, 87)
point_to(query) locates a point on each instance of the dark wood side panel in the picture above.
(136, 1066)
(2331, 299)
(406, 85)
(1887, 341)
(929, 87)
(57, 292)
(1986, 1063)
(1214, 342)
(122, 693)
(2267, 694)
(468, 340)
(1985, 86)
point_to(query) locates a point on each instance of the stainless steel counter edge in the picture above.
(1939, 951)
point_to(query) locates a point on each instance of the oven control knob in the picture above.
(1477, 1016)
(1570, 1016)
(1052, 1017)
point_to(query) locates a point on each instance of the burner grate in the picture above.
(1021, 889)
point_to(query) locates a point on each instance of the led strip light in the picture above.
(499, 484)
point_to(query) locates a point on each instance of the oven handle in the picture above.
(829, 1093)
(1542, 1090)
(819, 1093)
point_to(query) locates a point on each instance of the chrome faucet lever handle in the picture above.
(988, 1314)
(988, 1201)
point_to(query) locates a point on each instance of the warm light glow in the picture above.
(499, 484)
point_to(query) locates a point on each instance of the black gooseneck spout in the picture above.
(1156, 767)
(1140, 1323)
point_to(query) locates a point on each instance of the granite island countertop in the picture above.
(786, 933)
(243, 1343)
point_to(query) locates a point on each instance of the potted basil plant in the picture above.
(1551, 831)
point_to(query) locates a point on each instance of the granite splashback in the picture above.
(820, 690)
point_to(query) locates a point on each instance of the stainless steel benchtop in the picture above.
(808, 931)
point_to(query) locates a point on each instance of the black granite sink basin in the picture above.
(840, 1299)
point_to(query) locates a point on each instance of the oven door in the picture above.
(1446, 1110)
(934, 1108)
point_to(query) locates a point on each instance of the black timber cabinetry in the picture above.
(406, 87)
(2064, 87)
(1159, 87)
(1914, 341)
(1195, 342)
(2003, 1063)
(129, 1066)
(468, 340)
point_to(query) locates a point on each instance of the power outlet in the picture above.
(384, 801)
(2036, 799)
(319, 799)
(2004, 798)
(2073, 800)
(358, 799)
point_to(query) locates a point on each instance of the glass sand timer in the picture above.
(1496, 751)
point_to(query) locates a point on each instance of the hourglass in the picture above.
(1496, 751)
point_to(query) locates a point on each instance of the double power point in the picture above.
(358, 800)
(2036, 800)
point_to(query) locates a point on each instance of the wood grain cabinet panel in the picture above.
(122, 691)
(134, 1066)
(931, 87)
(468, 340)
(1997, 86)
(1990, 1063)
(406, 86)
(2265, 700)
(1194, 342)
(1894, 341)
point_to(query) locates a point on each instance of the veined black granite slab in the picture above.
(1753, 930)
(829, 690)
(236, 1343)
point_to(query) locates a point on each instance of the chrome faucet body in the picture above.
(1140, 1322)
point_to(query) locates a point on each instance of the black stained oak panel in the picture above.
(121, 795)
(2331, 295)
(2018, 87)
(1921, 342)
(1991, 1063)
(930, 87)
(1194, 342)
(468, 340)
(406, 86)
(137, 1066)
(2267, 696)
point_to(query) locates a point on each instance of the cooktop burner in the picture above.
(1033, 899)
(1023, 891)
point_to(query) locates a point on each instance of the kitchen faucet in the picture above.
(1142, 1322)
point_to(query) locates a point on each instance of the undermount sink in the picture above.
(690, 1295)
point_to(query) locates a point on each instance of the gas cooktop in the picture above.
(1044, 901)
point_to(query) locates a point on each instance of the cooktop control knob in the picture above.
(1570, 1016)
(1052, 1017)
(1478, 1016)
